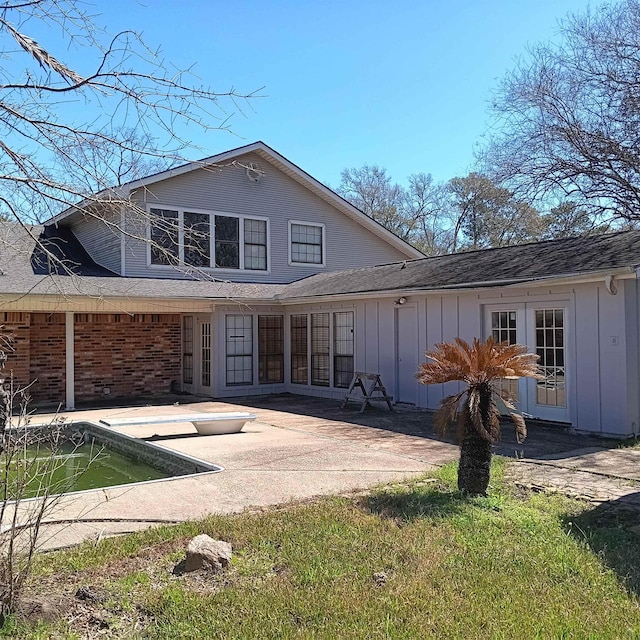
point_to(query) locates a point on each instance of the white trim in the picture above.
(323, 248)
(211, 213)
(70, 383)
(123, 243)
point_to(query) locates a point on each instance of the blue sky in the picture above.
(401, 84)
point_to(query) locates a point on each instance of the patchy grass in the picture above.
(408, 561)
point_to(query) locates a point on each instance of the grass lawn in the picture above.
(408, 561)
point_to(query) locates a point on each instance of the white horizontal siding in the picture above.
(101, 238)
(277, 197)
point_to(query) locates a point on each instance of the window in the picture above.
(299, 346)
(164, 236)
(270, 349)
(342, 348)
(206, 240)
(197, 245)
(323, 344)
(227, 242)
(306, 243)
(239, 342)
(255, 244)
(187, 349)
(320, 349)
(551, 390)
(504, 329)
(205, 351)
(503, 326)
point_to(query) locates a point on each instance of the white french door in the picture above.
(542, 328)
(197, 373)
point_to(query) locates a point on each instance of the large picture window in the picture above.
(306, 243)
(270, 349)
(207, 240)
(227, 242)
(197, 239)
(239, 349)
(164, 237)
(322, 344)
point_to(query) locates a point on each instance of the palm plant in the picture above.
(474, 409)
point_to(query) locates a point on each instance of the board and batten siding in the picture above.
(275, 196)
(602, 334)
(101, 238)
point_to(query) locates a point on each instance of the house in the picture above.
(286, 287)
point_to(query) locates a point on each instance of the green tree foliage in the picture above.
(485, 215)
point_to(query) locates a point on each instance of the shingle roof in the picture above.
(24, 269)
(500, 266)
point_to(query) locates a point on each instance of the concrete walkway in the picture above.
(302, 447)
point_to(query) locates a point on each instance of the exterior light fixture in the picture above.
(401, 300)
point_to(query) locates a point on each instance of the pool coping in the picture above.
(137, 448)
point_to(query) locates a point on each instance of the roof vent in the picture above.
(254, 172)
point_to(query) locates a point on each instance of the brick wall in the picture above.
(16, 327)
(130, 356)
(47, 358)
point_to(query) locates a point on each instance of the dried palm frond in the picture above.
(43, 57)
(478, 364)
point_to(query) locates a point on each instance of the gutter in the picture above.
(623, 273)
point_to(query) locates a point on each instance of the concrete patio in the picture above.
(301, 447)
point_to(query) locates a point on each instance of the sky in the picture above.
(404, 85)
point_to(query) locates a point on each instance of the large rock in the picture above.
(204, 551)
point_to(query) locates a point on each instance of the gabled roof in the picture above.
(286, 166)
(568, 257)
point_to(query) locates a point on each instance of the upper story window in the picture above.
(164, 237)
(208, 240)
(306, 243)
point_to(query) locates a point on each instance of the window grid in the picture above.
(342, 348)
(239, 342)
(255, 244)
(549, 327)
(306, 243)
(299, 346)
(270, 349)
(320, 349)
(504, 329)
(206, 354)
(164, 237)
(187, 349)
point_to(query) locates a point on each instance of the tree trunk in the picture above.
(475, 451)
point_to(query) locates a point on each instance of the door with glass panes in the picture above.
(197, 354)
(543, 329)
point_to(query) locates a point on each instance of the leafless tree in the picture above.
(568, 116)
(371, 190)
(66, 131)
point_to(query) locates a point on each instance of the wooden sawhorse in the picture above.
(371, 388)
